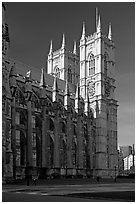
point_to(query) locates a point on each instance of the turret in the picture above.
(77, 99)
(51, 48)
(99, 25)
(83, 32)
(83, 61)
(42, 85)
(42, 79)
(55, 90)
(63, 41)
(75, 48)
(50, 60)
(110, 32)
(66, 95)
(96, 18)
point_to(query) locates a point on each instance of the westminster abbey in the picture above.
(64, 120)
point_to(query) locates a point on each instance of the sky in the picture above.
(33, 25)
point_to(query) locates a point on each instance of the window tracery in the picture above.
(57, 71)
(91, 65)
(69, 75)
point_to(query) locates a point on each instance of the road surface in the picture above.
(69, 192)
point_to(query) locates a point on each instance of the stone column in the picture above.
(44, 137)
(13, 134)
(13, 88)
(69, 143)
(80, 141)
(56, 139)
(29, 135)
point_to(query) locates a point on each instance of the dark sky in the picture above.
(33, 25)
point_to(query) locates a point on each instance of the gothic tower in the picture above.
(97, 65)
(63, 62)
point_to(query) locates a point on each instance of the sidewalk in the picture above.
(73, 181)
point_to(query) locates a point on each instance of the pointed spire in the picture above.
(110, 32)
(75, 48)
(55, 90)
(13, 71)
(77, 98)
(83, 31)
(42, 79)
(51, 47)
(63, 41)
(66, 95)
(99, 24)
(42, 85)
(96, 18)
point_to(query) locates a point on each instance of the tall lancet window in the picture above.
(69, 75)
(91, 65)
(22, 148)
(56, 71)
(105, 64)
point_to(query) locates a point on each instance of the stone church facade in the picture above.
(63, 122)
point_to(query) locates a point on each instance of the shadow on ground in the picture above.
(123, 196)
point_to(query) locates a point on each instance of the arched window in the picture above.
(51, 125)
(69, 75)
(38, 152)
(57, 71)
(22, 149)
(63, 155)
(91, 65)
(63, 127)
(74, 151)
(22, 117)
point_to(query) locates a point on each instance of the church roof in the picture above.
(22, 69)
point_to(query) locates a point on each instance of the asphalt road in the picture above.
(70, 193)
(14, 197)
